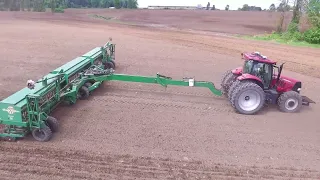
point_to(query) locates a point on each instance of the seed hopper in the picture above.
(28, 110)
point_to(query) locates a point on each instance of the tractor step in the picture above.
(306, 101)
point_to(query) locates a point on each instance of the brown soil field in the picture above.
(234, 22)
(140, 131)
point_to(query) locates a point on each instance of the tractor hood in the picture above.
(287, 84)
(288, 79)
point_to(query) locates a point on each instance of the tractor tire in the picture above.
(290, 102)
(227, 81)
(247, 94)
(42, 134)
(232, 88)
(83, 93)
(109, 65)
(52, 123)
(225, 75)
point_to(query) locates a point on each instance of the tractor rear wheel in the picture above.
(224, 77)
(290, 102)
(227, 81)
(233, 87)
(42, 134)
(247, 98)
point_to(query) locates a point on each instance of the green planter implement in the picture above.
(28, 110)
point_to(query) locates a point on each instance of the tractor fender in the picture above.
(252, 78)
(237, 71)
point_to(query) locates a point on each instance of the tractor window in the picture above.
(264, 72)
(247, 67)
(261, 70)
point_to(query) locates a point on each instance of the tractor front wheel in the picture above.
(290, 102)
(42, 134)
(247, 98)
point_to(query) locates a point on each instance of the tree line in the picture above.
(59, 5)
(308, 8)
(311, 10)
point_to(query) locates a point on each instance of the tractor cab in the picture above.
(262, 69)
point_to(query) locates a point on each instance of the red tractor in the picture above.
(257, 82)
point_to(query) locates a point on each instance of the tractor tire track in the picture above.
(66, 164)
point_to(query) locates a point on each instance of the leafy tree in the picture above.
(272, 7)
(312, 35)
(132, 4)
(39, 6)
(284, 6)
(313, 11)
(227, 8)
(117, 4)
(245, 7)
(296, 12)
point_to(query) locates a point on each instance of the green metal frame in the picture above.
(158, 79)
(64, 84)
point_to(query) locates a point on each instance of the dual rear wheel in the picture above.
(247, 97)
(227, 80)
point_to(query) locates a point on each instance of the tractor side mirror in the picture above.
(279, 73)
(281, 66)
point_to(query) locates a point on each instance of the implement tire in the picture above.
(52, 123)
(87, 84)
(42, 134)
(248, 98)
(290, 102)
(109, 65)
(114, 64)
(83, 92)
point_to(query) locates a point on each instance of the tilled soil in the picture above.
(235, 22)
(139, 131)
(37, 162)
